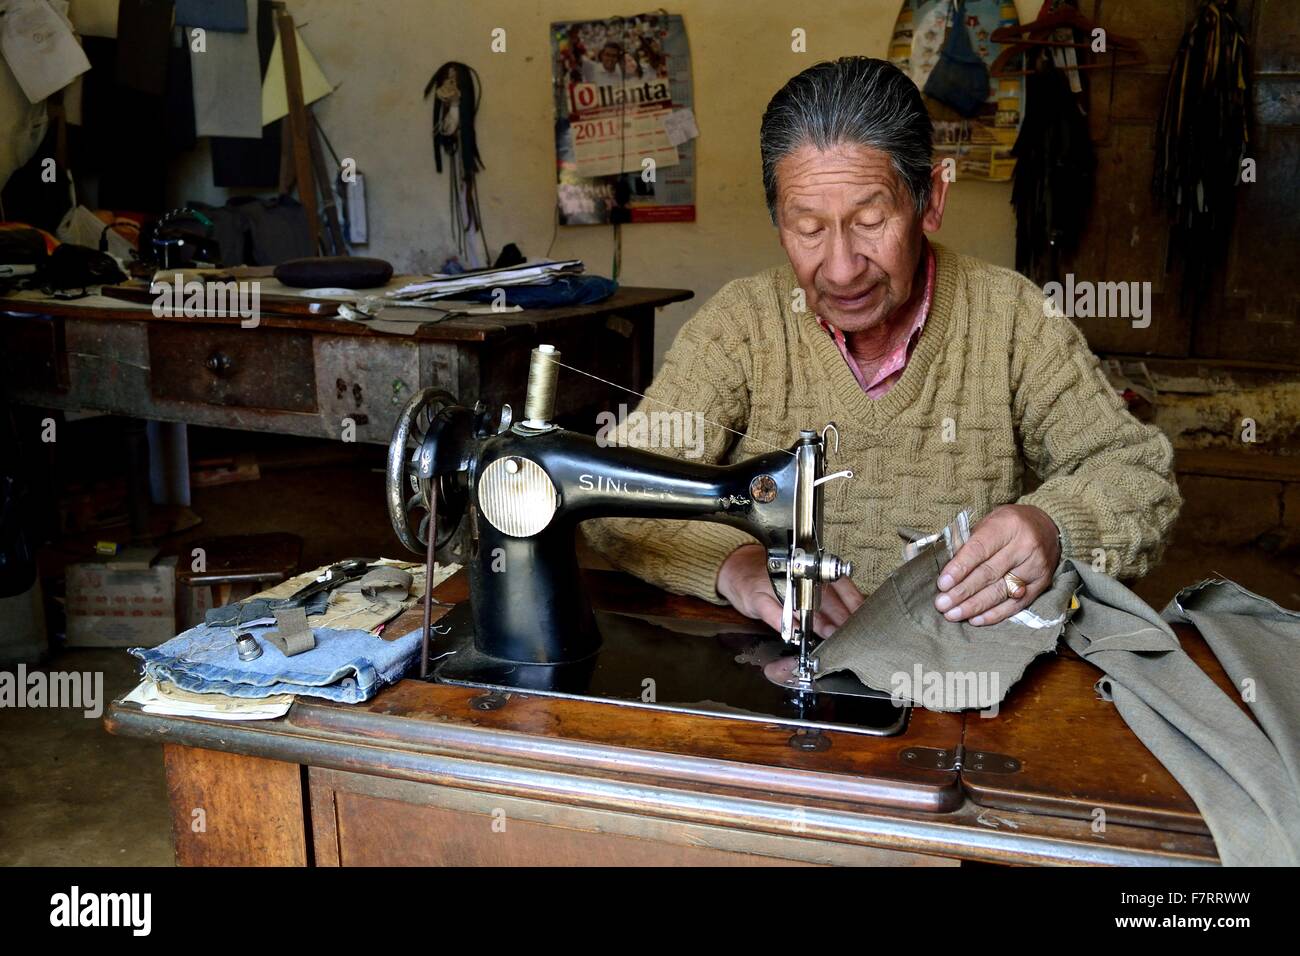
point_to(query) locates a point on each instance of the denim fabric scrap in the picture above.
(897, 641)
(345, 665)
(255, 609)
(1242, 776)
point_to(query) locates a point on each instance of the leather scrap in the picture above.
(384, 584)
(293, 636)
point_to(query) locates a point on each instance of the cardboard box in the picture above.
(121, 604)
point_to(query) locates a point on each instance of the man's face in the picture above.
(850, 227)
(609, 58)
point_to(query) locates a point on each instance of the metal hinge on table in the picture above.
(932, 758)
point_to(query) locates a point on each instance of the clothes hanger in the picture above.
(1039, 33)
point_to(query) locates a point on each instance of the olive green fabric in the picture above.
(898, 642)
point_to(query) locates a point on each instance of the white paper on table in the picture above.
(155, 698)
(40, 48)
(679, 126)
(275, 95)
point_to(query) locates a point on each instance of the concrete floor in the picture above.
(71, 794)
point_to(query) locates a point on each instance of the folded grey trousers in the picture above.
(1243, 776)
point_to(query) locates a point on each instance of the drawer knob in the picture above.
(219, 363)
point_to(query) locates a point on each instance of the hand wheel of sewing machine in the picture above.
(427, 474)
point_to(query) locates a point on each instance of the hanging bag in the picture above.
(960, 80)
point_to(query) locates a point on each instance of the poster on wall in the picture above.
(624, 120)
(982, 144)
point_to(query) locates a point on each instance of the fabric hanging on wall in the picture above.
(22, 125)
(127, 137)
(1201, 140)
(259, 232)
(144, 35)
(277, 228)
(72, 102)
(240, 163)
(28, 198)
(1052, 187)
(179, 100)
(124, 136)
(94, 18)
(40, 48)
(91, 142)
(228, 84)
(229, 15)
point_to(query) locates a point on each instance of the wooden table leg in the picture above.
(231, 810)
(643, 348)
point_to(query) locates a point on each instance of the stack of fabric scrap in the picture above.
(359, 636)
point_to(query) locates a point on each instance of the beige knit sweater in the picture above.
(994, 384)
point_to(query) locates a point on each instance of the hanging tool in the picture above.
(1201, 141)
(457, 98)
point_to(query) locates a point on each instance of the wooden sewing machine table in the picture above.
(430, 774)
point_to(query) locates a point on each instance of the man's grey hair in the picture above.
(855, 100)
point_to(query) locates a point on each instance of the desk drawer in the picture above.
(246, 368)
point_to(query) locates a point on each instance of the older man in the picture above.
(946, 376)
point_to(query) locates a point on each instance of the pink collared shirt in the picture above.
(892, 367)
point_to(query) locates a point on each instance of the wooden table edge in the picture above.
(958, 834)
(444, 331)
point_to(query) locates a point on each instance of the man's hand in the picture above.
(1013, 539)
(744, 582)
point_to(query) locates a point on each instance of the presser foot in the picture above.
(784, 672)
(793, 673)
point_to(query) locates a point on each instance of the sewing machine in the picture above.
(524, 486)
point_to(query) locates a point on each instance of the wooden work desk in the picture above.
(303, 374)
(442, 775)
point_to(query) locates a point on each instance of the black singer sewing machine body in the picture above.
(523, 488)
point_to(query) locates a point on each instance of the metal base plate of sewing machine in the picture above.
(658, 663)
